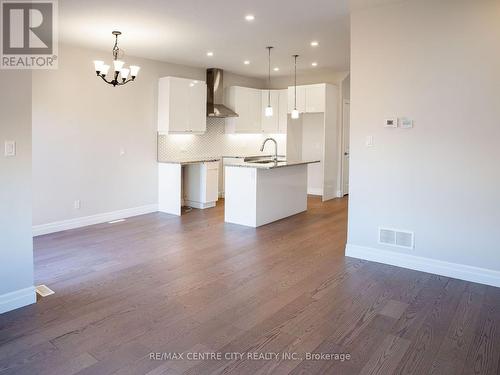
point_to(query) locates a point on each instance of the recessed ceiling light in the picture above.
(276, 69)
(246, 62)
(210, 53)
(314, 43)
(314, 64)
(249, 17)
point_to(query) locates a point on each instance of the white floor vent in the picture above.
(396, 237)
(44, 290)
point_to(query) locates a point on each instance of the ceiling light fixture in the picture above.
(269, 110)
(249, 17)
(295, 112)
(314, 64)
(102, 69)
(210, 53)
(314, 43)
(276, 69)
(246, 62)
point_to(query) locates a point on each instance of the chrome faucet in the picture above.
(275, 159)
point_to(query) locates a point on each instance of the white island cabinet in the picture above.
(258, 194)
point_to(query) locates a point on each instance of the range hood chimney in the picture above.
(215, 95)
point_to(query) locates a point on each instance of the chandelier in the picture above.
(102, 69)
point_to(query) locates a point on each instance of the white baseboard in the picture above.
(199, 205)
(19, 298)
(79, 222)
(314, 191)
(438, 267)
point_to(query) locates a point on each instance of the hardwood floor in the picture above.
(163, 284)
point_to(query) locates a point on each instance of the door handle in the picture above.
(346, 154)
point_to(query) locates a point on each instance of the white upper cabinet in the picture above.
(310, 98)
(301, 98)
(315, 98)
(283, 111)
(270, 124)
(247, 103)
(250, 105)
(182, 105)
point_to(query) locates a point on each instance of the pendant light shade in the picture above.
(295, 112)
(269, 110)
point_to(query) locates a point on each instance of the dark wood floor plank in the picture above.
(159, 283)
(484, 353)
(453, 351)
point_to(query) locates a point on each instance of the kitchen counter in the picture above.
(270, 164)
(185, 161)
(254, 156)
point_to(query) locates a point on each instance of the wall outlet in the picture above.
(77, 204)
(10, 148)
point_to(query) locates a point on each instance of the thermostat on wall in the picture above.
(405, 123)
(391, 123)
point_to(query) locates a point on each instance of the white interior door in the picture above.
(345, 161)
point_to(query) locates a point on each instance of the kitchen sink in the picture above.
(265, 161)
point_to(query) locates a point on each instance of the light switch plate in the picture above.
(10, 148)
(369, 141)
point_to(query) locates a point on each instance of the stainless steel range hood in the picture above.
(215, 95)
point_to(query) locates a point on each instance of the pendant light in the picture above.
(295, 112)
(269, 110)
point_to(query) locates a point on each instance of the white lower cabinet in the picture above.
(201, 184)
(195, 185)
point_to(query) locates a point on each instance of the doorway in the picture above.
(346, 107)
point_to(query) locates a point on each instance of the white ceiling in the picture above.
(182, 31)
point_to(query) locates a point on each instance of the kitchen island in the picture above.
(263, 191)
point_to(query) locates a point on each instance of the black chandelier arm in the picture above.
(115, 81)
(124, 82)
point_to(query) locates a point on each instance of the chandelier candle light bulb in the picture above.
(124, 73)
(118, 67)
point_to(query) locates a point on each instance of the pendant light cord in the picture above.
(269, 77)
(295, 83)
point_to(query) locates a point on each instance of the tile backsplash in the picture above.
(214, 142)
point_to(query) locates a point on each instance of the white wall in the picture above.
(80, 125)
(16, 247)
(309, 77)
(438, 64)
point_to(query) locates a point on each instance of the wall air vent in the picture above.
(396, 237)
